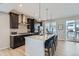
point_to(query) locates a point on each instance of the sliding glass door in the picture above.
(77, 30)
(72, 30)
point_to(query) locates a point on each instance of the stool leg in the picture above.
(55, 45)
(48, 52)
(52, 51)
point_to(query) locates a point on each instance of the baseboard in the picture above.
(4, 48)
(73, 41)
(61, 40)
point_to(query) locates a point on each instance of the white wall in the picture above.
(4, 31)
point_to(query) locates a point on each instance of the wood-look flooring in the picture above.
(64, 48)
(20, 51)
(67, 48)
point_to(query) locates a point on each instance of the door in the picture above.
(72, 30)
(77, 30)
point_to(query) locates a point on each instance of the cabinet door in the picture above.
(32, 25)
(13, 20)
(18, 41)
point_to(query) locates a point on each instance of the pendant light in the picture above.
(46, 13)
(39, 12)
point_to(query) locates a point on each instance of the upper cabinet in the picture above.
(20, 20)
(14, 20)
(30, 25)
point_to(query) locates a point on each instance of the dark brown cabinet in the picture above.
(13, 20)
(30, 25)
(16, 41)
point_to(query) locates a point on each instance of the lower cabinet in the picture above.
(16, 41)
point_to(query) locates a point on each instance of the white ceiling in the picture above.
(7, 7)
(55, 10)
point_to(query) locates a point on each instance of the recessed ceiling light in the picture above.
(20, 5)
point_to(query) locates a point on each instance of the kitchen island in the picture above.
(34, 45)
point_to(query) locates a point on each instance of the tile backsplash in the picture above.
(21, 29)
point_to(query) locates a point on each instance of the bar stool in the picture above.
(49, 46)
(53, 47)
(55, 41)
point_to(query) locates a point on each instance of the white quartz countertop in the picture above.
(20, 34)
(39, 37)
